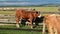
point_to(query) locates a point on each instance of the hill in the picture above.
(42, 5)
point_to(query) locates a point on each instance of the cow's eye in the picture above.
(36, 12)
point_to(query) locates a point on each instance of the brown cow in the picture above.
(26, 15)
(52, 22)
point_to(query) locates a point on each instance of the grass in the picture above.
(7, 12)
(18, 32)
(43, 9)
(9, 26)
(21, 26)
(39, 8)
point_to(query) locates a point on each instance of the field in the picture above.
(42, 9)
(18, 32)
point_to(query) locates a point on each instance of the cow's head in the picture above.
(38, 13)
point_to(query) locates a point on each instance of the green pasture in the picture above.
(19, 31)
(21, 26)
(41, 9)
(44, 9)
(7, 12)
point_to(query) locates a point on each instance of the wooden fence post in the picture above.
(43, 32)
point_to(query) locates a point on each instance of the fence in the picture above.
(11, 18)
(7, 18)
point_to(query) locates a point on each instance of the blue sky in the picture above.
(28, 2)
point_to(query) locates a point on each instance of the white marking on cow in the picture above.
(27, 22)
(39, 16)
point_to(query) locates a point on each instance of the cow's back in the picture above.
(26, 14)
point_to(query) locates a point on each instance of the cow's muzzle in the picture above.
(39, 16)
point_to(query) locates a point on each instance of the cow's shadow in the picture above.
(37, 21)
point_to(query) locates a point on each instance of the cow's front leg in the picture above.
(31, 23)
(17, 22)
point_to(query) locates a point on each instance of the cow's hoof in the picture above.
(31, 27)
(17, 25)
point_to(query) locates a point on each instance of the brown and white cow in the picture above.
(26, 15)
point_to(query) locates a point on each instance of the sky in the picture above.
(28, 2)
